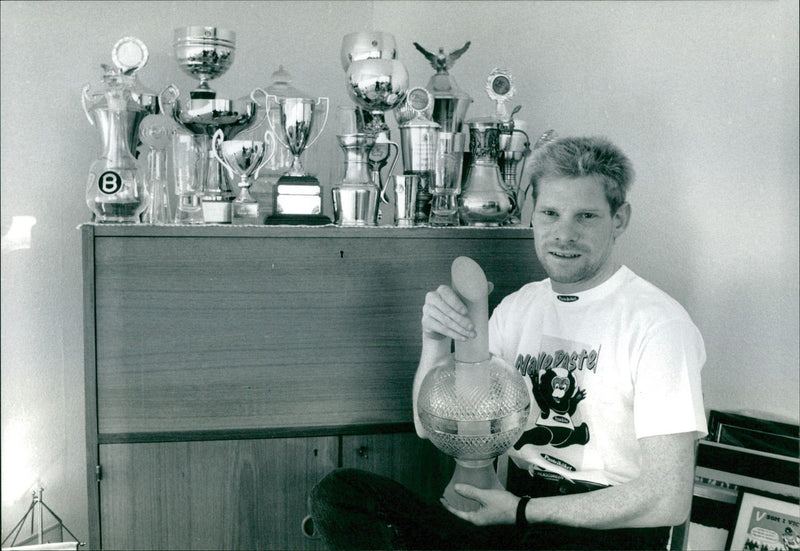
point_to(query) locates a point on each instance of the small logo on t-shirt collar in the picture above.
(567, 298)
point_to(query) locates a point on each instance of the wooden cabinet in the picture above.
(230, 368)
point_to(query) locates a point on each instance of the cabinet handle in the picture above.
(308, 529)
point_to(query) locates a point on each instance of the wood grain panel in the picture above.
(215, 333)
(403, 457)
(242, 494)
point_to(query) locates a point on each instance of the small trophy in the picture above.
(244, 158)
(298, 195)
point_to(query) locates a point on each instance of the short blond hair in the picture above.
(575, 157)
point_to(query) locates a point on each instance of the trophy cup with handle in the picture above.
(244, 158)
(206, 53)
(297, 198)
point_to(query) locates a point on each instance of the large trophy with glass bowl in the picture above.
(297, 198)
(206, 53)
(476, 407)
(116, 106)
(377, 82)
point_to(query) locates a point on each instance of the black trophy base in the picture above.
(297, 220)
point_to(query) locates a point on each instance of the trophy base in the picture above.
(243, 213)
(298, 201)
(216, 210)
(297, 220)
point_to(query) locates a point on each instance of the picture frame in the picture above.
(753, 433)
(765, 522)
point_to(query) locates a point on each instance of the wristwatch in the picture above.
(523, 503)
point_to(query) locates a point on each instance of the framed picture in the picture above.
(765, 522)
(753, 433)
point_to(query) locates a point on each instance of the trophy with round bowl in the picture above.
(297, 198)
(206, 53)
(244, 158)
(376, 82)
(476, 408)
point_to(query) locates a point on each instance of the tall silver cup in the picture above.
(405, 188)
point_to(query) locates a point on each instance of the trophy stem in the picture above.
(475, 472)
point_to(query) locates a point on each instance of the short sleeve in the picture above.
(668, 395)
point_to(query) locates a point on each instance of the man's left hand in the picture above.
(496, 506)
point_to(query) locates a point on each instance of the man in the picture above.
(613, 365)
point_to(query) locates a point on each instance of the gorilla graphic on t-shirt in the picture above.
(557, 395)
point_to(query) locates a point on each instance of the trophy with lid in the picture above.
(206, 53)
(376, 82)
(419, 137)
(116, 191)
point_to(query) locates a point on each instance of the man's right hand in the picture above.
(445, 316)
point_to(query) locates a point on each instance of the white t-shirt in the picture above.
(606, 366)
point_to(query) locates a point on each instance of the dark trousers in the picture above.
(354, 509)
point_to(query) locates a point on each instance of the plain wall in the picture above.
(702, 95)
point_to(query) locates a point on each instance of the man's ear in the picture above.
(621, 219)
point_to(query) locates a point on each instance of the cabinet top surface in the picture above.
(328, 231)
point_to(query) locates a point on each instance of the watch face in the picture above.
(501, 85)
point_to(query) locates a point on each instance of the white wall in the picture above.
(702, 95)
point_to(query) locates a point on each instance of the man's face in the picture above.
(574, 232)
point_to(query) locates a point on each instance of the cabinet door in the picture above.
(227, 494)
(404, 457)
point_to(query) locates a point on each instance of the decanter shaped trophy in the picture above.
(376, 82)
(484, 199)
(355, 196)
(206, 53)
(115, 190)
(244, 158)
(297, 198)
(476, 408)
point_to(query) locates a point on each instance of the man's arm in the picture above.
(660, 496)
(444, 317)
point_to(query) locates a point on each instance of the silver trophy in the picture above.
(419, 138)
(297, 197)
(244, 158)
(204, 53)
(376, 82)
(203, 117)
(450, 103)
